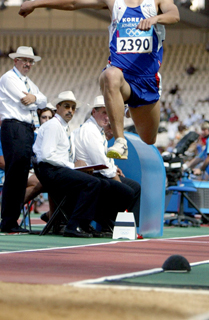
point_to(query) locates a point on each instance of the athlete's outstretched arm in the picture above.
(28, 7)
(169, 15)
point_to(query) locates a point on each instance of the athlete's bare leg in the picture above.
(146, 120)
(115, 91)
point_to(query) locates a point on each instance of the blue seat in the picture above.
(181, 217)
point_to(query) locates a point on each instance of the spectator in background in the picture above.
(174, 90)
(181, 132)
(195, 117)
(172, 126)
(173, 117)
(191, 69)
(178, 100)
(45, 114)
(202, 119)
(203, 100)
(203, 157)
(188, 121)
(169, 109)
(163, 114)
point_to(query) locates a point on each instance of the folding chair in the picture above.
(26, 221)
(180, 216)
(59, 213)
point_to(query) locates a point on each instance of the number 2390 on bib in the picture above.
(132, 40)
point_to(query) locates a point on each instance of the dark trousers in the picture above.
(17, 140)
(82, 190)
(88, 198)
(124, 195)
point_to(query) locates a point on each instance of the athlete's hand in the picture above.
(26, 8)
(146, 24)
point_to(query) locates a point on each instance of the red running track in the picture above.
(59, 266)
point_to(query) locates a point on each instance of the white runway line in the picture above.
(127, 276)
(70, 247)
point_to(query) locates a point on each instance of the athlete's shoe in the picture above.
(119, 150)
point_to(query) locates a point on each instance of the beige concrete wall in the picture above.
(49, 19)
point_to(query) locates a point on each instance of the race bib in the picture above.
(132, 40)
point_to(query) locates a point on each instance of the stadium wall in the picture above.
(50, 20)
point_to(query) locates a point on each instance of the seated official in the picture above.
(57, 170)
(91, 147)
(88, 198)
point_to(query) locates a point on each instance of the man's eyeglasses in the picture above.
(25, 61)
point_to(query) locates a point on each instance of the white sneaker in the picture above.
(119, 150)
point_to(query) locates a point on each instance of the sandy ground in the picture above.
(49, 302)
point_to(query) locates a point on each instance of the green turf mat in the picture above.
(33, 242)
(172, 232)
(196, 278)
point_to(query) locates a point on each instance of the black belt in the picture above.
(30, 125)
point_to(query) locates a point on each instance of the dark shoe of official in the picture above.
(90, 229)
(58, 229)
(44, 217)
(17, 229)
(107, 228)
(107, 232)
(76, 232)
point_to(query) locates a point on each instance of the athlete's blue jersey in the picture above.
(134, 51)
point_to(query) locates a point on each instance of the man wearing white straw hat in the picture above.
(86, 195)
(55, 158)
(19, 100)
(91, 147)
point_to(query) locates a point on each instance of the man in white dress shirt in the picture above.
(19, 99)
(88, 198)
(55, 157)
(91, 146)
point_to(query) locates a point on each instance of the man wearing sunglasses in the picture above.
(19, 100)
